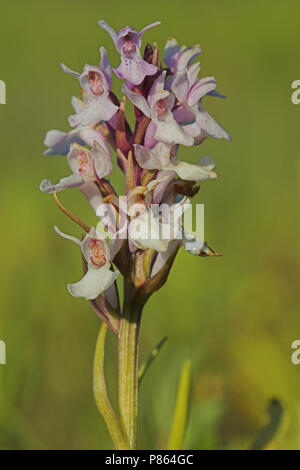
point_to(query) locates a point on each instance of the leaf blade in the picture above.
(100, 394)
(145, 366)
(180, 418)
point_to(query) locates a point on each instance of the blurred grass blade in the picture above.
(268, 436)
(145, 366)
(180, 418)
(102, 401)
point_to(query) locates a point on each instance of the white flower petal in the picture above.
(109, 29)
(102, 161)
(209, 126)
(200, 89)
(160, 190)
(71, 181)
(69, 71)
(105, 66)
(100, 109)
(145, 157)
(192, 73)
(170, 132)
(138, 100)
(152, 159)
(186, 56)
(156, 23)
(89, 135)
(77, 104)
(59, 142)
(147, 231)
(93, 283)
(66, 236)
(161, 95)
(190, 172)
(157, 87)
(134, 69)
(180, 87)
(93, 194)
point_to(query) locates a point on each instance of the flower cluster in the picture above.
(168, 107)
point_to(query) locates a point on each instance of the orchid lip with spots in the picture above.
(137, 234)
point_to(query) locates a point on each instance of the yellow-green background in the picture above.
(234, 316)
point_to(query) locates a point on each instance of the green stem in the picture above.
(128, 369)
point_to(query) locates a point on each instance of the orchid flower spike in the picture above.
(97, 83)
(128, 41)
(144, 228)
(138, 233)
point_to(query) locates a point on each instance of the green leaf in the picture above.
(180, 418)
(102, 401)
(145, 366)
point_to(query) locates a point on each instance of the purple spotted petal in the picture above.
(135, 70)
(123, 33)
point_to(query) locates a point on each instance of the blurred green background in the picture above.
(234, 316)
